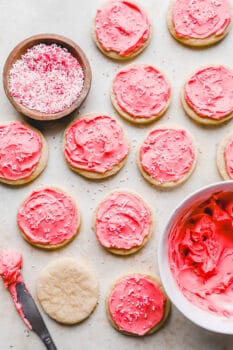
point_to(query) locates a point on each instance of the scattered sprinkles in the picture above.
(136, 304)
(48, 217)
(47, 78)
(123, 221)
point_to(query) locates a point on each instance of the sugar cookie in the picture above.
(123, 223)
(199, 22)
(95, 146)
(225, 157)
(207, 96)
(167, 156)
(23, 153)
(48, 218)
(121, 29)
(137, 305)
(140, 93)
(68, 290)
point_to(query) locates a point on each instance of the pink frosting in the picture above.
(122, 221)
(20, 151)
(95, 144)
(201, 254)
(10, 265)
(209, 92)
(200, 19)
(167, 154)
(122, 26)
(136, 304)
(228, 155)
(48, 217)
(141, 91)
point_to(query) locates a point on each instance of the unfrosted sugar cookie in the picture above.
(95, 146)
(167, 156)
(68, 290)
(199, 22)
(123, 223)
(140, 93)
(225, 157)
(23, 153)
(48, 218)
(207, 96)
(137, 305)
(122, 29)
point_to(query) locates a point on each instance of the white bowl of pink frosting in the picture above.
(195, 257)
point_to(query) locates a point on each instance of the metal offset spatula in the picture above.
(32, 314)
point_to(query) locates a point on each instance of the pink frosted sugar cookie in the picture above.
(122, 29)
(199, 22)
(95, 146)
(123, 223)
(225, 157)
(167, 156)
(48, 218)
(137, 305)
(23, 153)
(207, 96)
(140, 93)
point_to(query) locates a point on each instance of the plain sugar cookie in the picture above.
(123, 223)
(68, 290)
(121, 29)
(95, 146)
(137, 305)
(207, 96)
(167, 157)
(199, 22)
(48, 218)
(140, 93)
(23, 153)
(225, 157)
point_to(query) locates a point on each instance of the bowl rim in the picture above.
(72, 47)
(202, 318)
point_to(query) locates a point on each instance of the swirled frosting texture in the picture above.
(122, 26)
(136, 304)
(48, 217)
(167, 154)
(209, 92)
(200, 19)
(10, 265)
(141, 91)
(201, 254)
(95, 144)
(20, 151)
(228, 156)
(123, 221)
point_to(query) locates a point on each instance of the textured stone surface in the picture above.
(21, 19)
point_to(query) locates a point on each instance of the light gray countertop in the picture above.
(73, 18)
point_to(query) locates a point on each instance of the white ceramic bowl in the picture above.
(200, 317)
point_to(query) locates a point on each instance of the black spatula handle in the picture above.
(48, 342)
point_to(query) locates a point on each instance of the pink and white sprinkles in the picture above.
(47, 78)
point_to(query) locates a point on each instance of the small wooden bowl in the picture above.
(21, 49)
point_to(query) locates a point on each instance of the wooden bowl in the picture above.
(21, 49)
